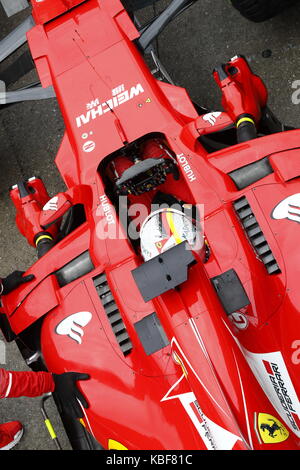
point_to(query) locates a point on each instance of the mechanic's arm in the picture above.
(34, 384)
(25, 384)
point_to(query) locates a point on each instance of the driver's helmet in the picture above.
(164, 229)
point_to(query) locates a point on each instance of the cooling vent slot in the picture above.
(113, 313)
(255, 235)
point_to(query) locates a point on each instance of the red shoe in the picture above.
(10, 434)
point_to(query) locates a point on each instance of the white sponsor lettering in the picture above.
(186, 167)
(93, 104)
(119, 89)
(272, 374)
(214, 436)
(95, 109)
(107, 210)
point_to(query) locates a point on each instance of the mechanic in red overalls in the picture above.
(34, 384)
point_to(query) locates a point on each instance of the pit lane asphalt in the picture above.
(209, 33)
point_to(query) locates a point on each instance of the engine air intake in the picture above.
(113, 313)
(255, 235)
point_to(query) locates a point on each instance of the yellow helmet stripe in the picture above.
(170, 220)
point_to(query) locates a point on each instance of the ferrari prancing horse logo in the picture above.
(271, 430)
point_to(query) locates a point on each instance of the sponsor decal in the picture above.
(239, 320)
(89, 146)
(214, 436)
(97, 108)
(86, 135)
(186, 167)
(73, 325)
(211, 117)
(272, 375)
(51, 205)
(107, 210)
(270, 429)
(289, 209)
(206, 432)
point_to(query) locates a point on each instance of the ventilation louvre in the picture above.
(113, 313)
(255, 235)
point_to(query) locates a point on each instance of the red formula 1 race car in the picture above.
(168, 270)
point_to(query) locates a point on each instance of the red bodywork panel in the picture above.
(43, 12)
(209, 387)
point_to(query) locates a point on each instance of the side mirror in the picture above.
(54, 209)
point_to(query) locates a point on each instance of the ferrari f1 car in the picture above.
(168, 270)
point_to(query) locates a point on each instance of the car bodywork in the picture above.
(213, 362)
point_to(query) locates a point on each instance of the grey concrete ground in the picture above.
(208, 34)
